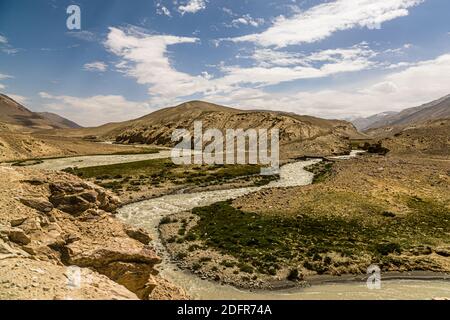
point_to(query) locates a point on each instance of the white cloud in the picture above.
(321, 21)
(96, 66)
(96, 110)
(2, 86)
(274, 66)
(3, 40)
(269, 57)
(396, 91)
(247, 20)
(4, 76)
(5, 47)
(162, 10)
(145, 58)
(192, 6)
(83, 35)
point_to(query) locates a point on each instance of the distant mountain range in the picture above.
(13, 113)
(438, 109)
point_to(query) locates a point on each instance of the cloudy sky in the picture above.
(333, 59)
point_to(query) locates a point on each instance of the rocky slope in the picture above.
(391, 123)
(299, 135)
(364, 123)
(52, 221)
(431, 138)
(12, 112)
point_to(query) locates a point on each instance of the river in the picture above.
(147, 214)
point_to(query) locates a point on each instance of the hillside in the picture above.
(431, 138)
(58, 120)
(391, 123)
(299, 135)
(364, 123)
(13, 113)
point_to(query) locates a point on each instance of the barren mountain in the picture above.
(364, 123)
(393, 122)
(299, 135)
(13, 113)
(58, 120)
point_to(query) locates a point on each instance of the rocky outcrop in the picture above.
(62, 222)
(76, 198)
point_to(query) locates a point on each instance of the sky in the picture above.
(332, 59)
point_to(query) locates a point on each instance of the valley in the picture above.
(110, 201)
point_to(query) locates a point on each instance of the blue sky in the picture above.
(334, 59)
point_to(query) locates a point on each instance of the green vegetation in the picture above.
(25, 163)
(133, 176)
(322, 171)
(138, 151)
(265, 243)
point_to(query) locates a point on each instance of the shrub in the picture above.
(293, 275)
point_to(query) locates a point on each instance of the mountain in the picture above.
(299, 135)
(391, 122)
(13, 113)
(58, 120)
(364, 123)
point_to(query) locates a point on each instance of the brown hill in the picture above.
(13, 113)
(299, 135)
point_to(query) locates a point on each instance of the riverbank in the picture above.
(412, 237)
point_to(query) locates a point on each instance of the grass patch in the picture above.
(322, 171)
(267, 242)
(155, 172)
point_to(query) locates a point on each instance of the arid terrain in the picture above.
(389, 206)
(386, 209)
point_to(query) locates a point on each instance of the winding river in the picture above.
(147, 214)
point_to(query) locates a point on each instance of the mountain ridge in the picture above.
(434, 110)
(14, 113)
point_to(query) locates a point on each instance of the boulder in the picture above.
(77, 198)
(443, 251)
(124, 261)
(138, 234)
(41, 205)
(17, 235)
(17, 221)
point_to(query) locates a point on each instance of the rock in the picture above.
(18, 221)
(421, 250)
(6, 251)
(443, 251)
(138, 234)
(34, 182)
(17, 235)
(125, 262)
(71, 204)
(38, 204)
(77, 198)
